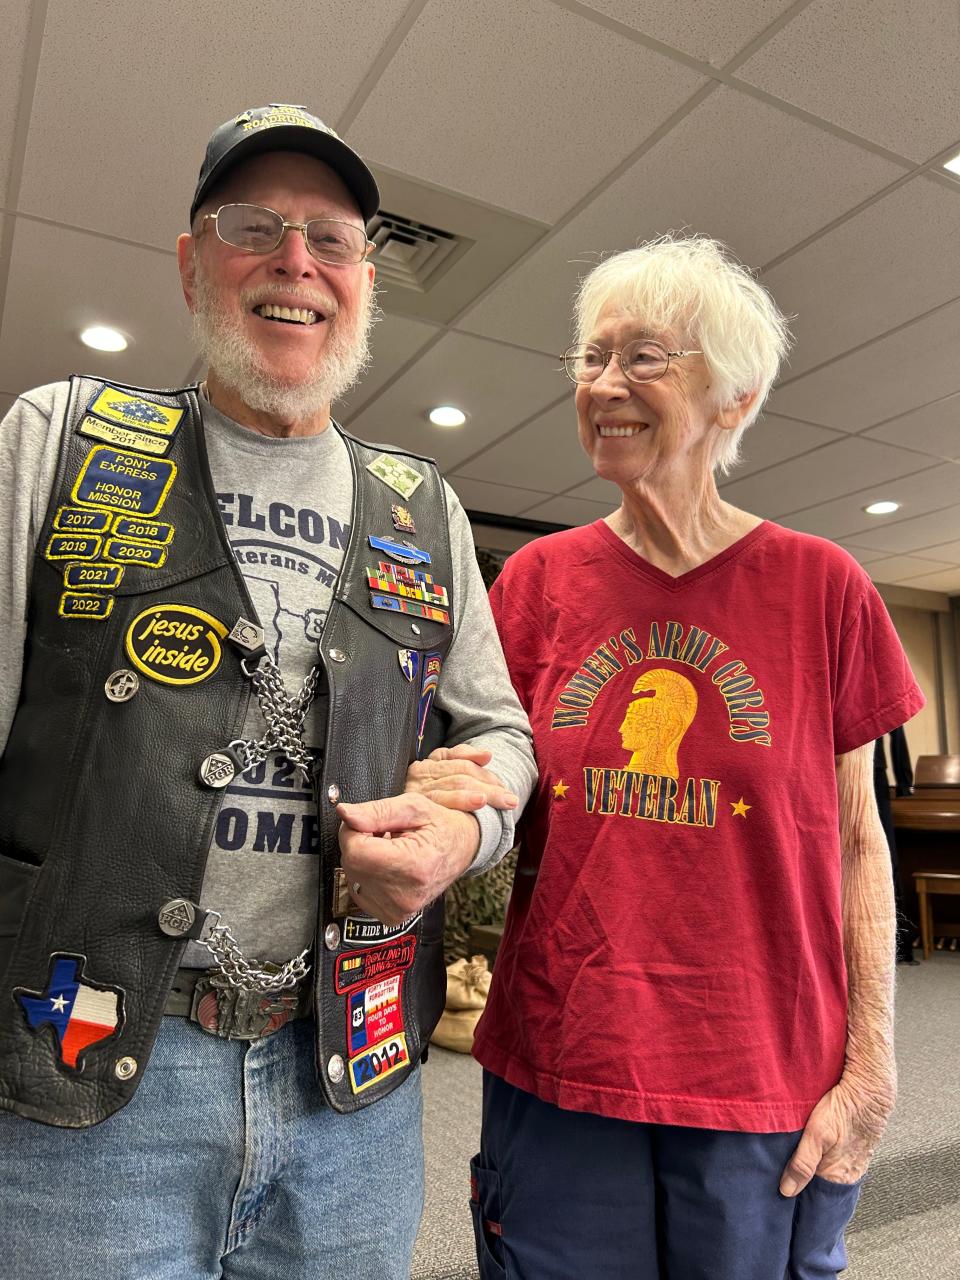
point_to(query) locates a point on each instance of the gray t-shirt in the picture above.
(286, 506)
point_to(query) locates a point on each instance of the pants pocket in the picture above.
(487, 1230)
(824, 1208)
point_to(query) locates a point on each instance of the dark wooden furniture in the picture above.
(928, 883)
(928, 838)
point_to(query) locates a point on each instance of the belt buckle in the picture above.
(235, 1014)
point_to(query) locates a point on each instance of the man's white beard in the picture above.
(239, 364)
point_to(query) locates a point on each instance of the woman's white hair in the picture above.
(693, 289)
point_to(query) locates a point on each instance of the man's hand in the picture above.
(403, 852)
(455, 778)
(841, 1135)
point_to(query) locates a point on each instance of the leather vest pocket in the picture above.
(16, 881)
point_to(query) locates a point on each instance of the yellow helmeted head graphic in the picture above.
(655, 723)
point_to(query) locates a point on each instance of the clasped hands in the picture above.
(400, 853)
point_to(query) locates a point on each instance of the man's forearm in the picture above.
(869, 928)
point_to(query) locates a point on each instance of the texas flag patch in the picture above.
(80, 1013)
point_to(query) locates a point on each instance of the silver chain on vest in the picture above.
(284, 717)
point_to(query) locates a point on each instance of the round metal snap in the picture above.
(125, 1068)
(218, 770)
(333, 793)
(176, 917)
(414, 628)
(331, 937)
(337, 655)
(120, 686)
(335, 1068)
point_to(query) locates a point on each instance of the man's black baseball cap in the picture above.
(281, 127)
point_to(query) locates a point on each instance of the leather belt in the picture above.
(206, 997)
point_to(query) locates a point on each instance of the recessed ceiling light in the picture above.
(447, 415)
(954, 164)
(881, 508)
(102, 338)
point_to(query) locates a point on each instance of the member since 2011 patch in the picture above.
(135, 411)
(175, 643)
(123, 437)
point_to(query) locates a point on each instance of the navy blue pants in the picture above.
(566, 1195)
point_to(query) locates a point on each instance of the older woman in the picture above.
(688, 1039)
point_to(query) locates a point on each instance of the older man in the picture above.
(232, 628)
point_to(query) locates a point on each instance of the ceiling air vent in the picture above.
(411, 254)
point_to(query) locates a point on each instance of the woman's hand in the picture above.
(841, 1135)
(455, 778)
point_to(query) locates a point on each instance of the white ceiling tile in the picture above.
(16, 19)
(862, 555)
(570, 511)
(545, 454)
(712, 30)
(502, 103)
(871, 273)
(736, 168)
(61, 281)
(394, 341)
(946, 551)
(888, 377)
(498, 387)
(945, 580)
(917, 534)
(147, 100)
(825, 473)
(934, 428)
(900, 568)
(844, 517)
(771, 439)
(503, 499)
(880, 68)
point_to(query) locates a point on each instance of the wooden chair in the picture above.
(927, 884)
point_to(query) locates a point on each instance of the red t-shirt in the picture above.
(673, 949)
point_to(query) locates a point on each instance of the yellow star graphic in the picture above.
(739, 809)
(560, 790)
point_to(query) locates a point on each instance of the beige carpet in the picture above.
(908, 1224)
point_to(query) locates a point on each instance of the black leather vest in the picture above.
(103, 817)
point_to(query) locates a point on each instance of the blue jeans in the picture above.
(562, 1195)
(226, 1163)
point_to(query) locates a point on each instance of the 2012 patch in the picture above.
(77, 520)
(123, 481)
(93, 577)
(147, 555)
(135, 411)
(374, 1014)
(75, 604)
(376, 1064)
(357, 969)
(175, 643)
(123, 437)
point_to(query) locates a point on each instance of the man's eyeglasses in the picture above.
(257, 230)
(641, 361)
